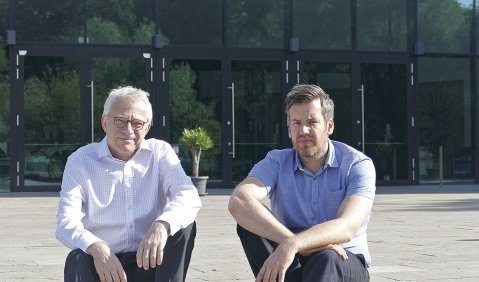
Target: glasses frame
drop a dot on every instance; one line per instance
(131, 121)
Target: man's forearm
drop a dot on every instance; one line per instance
(255, 217)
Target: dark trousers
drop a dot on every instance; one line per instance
(325, 265)
(79, 266)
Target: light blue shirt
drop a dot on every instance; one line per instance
(301, 199)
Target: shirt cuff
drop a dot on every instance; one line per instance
(86, 240)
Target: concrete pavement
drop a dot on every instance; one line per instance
(417, 233)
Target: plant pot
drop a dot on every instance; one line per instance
(200, 184)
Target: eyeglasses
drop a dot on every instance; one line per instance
(120, 122)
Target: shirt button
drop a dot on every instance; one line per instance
(314, 177)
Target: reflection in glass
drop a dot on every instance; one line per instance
(109, 73)
(185, 22)
(383, 31)
(322, 24)
(4, 121)
(41, 21)
(51, 117)
(445, 119)
(335, 79)
(120, 22)
(385, 119)
(445, 25)
(195, 100)
(258, 112)
(253, 23)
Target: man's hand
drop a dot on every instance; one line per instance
(274, 268)
(335, 247)
(150, 251)
(107, 264)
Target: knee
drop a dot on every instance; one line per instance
(79, 264)
(78, 257)
(326, 259)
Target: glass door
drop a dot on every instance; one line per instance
(335, 79)
(256, 113)
(51, 118)
(195, 101)
(61, 107)
(384, 119)
(106, 74)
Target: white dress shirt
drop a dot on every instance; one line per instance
(106, 199)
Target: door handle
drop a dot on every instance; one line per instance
(92, 89)
(233, 149)
(361, 90)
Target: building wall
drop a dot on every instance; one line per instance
(413, 62)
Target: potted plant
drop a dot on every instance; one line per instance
(197, 140)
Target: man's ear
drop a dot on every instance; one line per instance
(330, 127)
(148, 128)
(103, 123)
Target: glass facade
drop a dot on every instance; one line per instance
(312, 22)
(444, 25)
(198, 23)
(257, 113)
(445, 119)
(41, 21)
(120, 21)
(403, 74)
(335, 79)
(385, 31)
(195, 100)
(51, 117)
(252, 23)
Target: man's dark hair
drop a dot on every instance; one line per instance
(306, 93)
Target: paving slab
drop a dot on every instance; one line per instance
(417, 233)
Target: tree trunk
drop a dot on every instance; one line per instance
(196, 162)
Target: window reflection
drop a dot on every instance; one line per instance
(322, 24)
(120, 22)
(444, 25)
(42, 21)
(195, 91)
(445, 119)
(383, 31)
(51, 117)
(335, 79)
(185, 22)
(253, 23)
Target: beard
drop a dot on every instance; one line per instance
(316, 150)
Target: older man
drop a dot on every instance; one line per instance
(127, 208)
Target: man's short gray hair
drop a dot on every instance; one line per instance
(131, 93)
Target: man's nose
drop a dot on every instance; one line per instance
(304, 129)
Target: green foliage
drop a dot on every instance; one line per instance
(444, 25)
(104, 31)
(196, 139)
(186, 110)
(52, 107)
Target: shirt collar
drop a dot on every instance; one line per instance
(102, 149)
(297, 165)
(330, 159)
